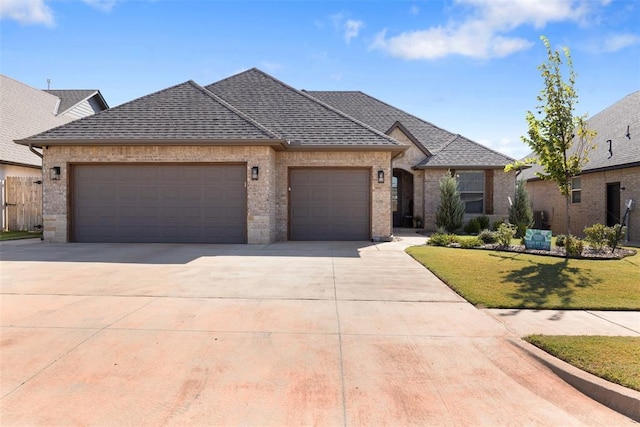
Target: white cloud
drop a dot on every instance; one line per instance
(352, 29)
(102, 5)
(27, 12)
(415, 10)
(619, 41)
(485, 32)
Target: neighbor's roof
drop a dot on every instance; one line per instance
(182, 113)
(298, 117)
(72, 97)
(619, 123)
(448, 149)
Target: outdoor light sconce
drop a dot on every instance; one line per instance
(254, 173)
(380, 177)
(54, 173)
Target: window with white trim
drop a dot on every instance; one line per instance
(576, 190)
(471, 187)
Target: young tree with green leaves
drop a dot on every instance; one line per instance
(450, 214)
(559, 140)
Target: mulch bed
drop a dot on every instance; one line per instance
(587, 253)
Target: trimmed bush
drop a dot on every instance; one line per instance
(473, 226)
(596, 236)
(442, 239)
(484, 222)
(560, 240)
(574, 246)
(450, 213)
(497, 224)
(505, 233)
(520, 212)
(487, 237)
(470, 243)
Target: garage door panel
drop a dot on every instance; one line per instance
(330, 204)
(159, 203)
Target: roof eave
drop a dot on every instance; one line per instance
(277, 144)
(345, 147)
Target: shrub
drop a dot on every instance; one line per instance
(614, 235)
(450, 213)
(596, 236)
(470, 243)
(487, 237)
(520, 212)
(560, 240)
(484, 222)
(442, 239)
(573, 246)
(496, 224)
(505, 233)
(473, 226)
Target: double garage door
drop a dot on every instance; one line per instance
(159, 203)
(208, 203)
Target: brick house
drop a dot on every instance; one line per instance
(250, 159)
(607, 182)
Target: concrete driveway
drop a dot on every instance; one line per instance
(322, 333)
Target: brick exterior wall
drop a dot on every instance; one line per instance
(380, 193)
(267, 198)
(592, 209)
(503, 187)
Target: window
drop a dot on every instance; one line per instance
(471, 187)
(576, 190)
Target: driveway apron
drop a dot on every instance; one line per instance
(293, 333)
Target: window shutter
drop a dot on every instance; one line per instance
(488, 191)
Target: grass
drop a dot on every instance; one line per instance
(16, 235)
(496, 279)
(616, 359)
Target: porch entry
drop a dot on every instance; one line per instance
(402, 198)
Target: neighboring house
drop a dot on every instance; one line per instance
(610, 178)
(250, 159)
(25, 111)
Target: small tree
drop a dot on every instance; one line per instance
(520, 213)
(560, 140)
(450, 214)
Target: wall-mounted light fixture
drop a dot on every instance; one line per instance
(380, 177)
(254, 173)
(54, 173)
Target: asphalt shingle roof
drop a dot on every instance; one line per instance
(296, 116)
(613, 123)
(71, 97)
(182, 112)
(448, 149)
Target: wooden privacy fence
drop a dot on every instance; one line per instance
(22, 208)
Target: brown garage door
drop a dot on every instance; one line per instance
(330, 204)
(159, 203)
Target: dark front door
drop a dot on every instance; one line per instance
(613, 203)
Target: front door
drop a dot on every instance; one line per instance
(613, 203)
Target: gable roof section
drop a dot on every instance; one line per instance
(461, 152)
(613, 123)
(448, 149)
(184, 113)
(298, 117)
(69, 98)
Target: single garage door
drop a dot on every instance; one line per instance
(330, 204)
(159, 203)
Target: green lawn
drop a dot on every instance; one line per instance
(513, 280)
(616, 359)
(16, 235)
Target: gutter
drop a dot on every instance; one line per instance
(33, 150)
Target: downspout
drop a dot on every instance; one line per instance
(39, 154)
(33, 150)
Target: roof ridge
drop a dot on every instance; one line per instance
(235, 110)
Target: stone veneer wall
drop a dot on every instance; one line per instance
(592, 209)
(380, 193)
(261, 202)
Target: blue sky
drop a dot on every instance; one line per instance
(469, 66)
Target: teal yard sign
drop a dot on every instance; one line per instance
(538, 239)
